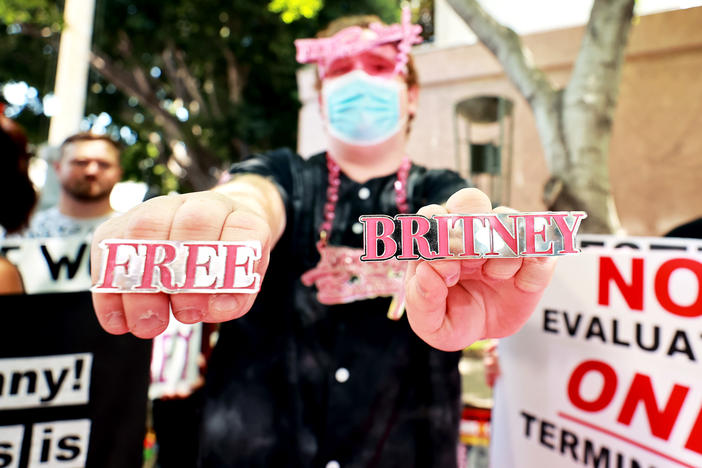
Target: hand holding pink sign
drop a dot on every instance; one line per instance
(223, 240)
(452, 303)
(219, 244)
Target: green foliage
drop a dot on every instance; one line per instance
(39, 12)
(230, 65)
(293, 10)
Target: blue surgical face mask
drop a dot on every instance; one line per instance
(362, 109)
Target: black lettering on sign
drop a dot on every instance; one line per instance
(69, 447)
(3, 251)
(590, 243)
(42, 381)
(681, 344)
(71, 266)
(569, 441)
(572, 328)
(5, 454)
(595, 329)
(528, 420)
(10, 445)
(591, 453)
(667, 247)
(549, 320)
(60, 442)
(602, 456)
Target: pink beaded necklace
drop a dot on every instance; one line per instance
(334, 181)
(340, 276)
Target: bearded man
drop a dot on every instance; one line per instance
(87, 169)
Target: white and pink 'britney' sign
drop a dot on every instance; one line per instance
(462, 236)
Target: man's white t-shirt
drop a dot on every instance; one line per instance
(52, 223)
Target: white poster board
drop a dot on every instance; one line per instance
(607, 372)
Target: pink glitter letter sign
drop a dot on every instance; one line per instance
(462, 236)
(174, 267)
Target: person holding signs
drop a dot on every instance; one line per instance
(18, 193)
(314, 370)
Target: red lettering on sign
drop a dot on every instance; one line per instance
(608, 388)
(509, 239)
(111, 263)
(694, 442)
(568, 234)
(632, 292)
(660, 422)
(530, 236)
(191, 266)
(663, 293)
(443, 236)
(150, 264)
(409, 237)
(372, 237)
(468, 238)
(234, 267)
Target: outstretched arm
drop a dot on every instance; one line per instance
(247, 208)
(453, 303)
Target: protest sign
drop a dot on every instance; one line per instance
(63, 265)
(606, 373)
(174, 364)
(50, 264)
(70, 393)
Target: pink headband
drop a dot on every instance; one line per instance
(354, 40)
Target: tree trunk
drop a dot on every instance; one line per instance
(574, 124)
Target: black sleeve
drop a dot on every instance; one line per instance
(435, 186)
(274, 165)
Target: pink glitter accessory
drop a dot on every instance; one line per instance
(340, 276)
(355, 40)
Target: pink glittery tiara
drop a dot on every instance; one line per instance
(355, 40)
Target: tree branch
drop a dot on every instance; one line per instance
(189, 80)
(234, 81)
(531, 82)
(209, 88)
(598, 66)
(591, 94)
(174, 74)
(128, 83)
(505, 44)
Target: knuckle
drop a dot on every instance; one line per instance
(253, 223)
(102, 232)
(149, 224)
(429, 210)
(200, 218)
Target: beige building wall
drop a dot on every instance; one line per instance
(656, 149)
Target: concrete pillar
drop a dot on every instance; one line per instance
(72, 69)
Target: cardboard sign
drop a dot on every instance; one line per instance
(607, 371)
(70, 393)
